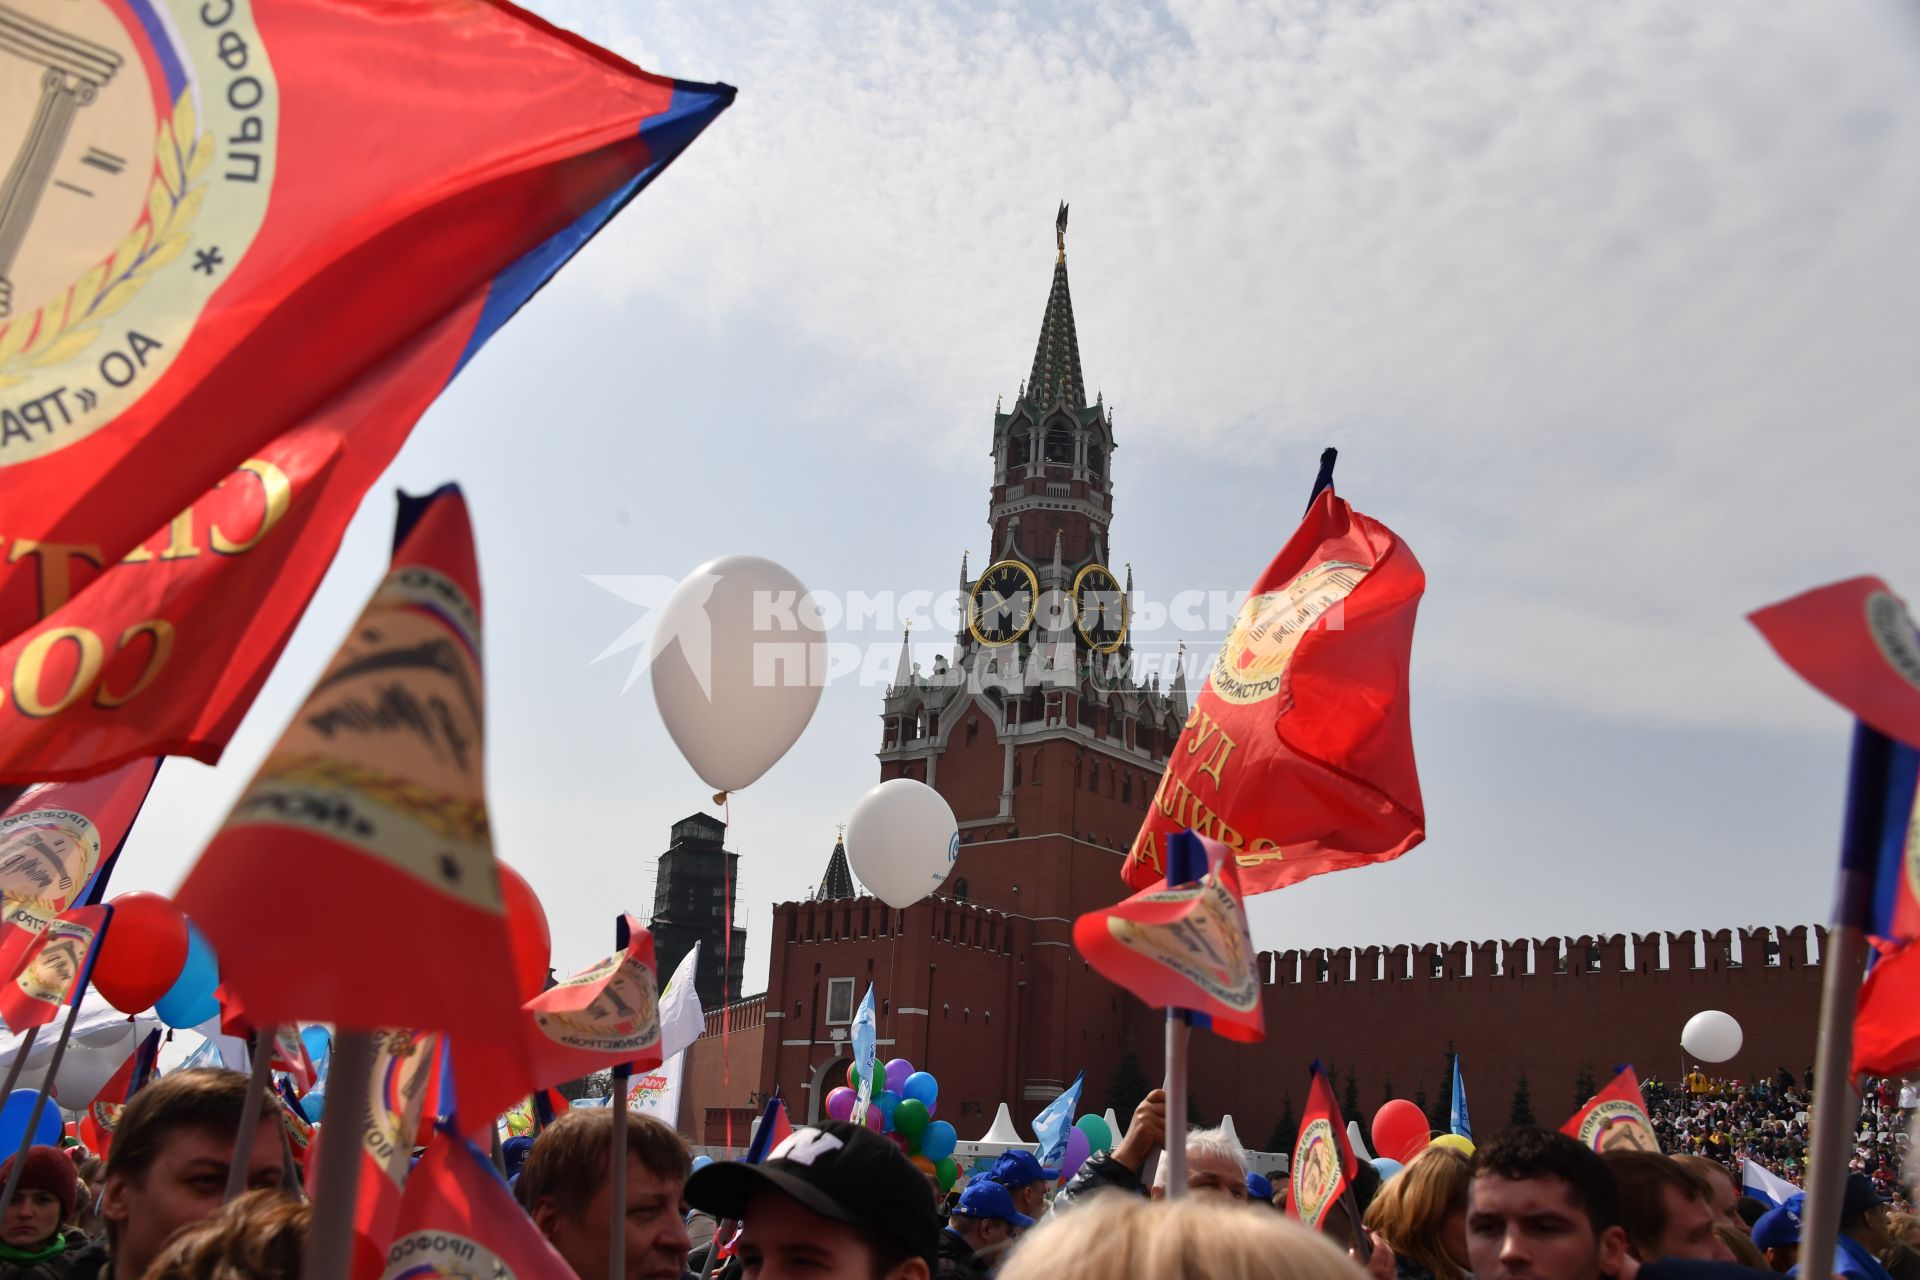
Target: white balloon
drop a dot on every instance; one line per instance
(902, 841)
(737, 666)
(1711, 1036)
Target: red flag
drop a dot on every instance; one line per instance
(1615, 1119)
(102, 1111)
(48, 971)
(1854, 642)
(1323, 1162)
(1886, 1028)
(377, 790)
(299, 1130)
(603, 1016)
(1183, 948)
(402, 1065)
(238, 275)
(1298, 752)
(459, 1219)
(54, 840)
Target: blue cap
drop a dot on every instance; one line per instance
(1258, 1187)
(988, 1201)
(1777, 1228)
(1017, 1168)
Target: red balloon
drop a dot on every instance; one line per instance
(1400, 1131)
(527, 931)
(143, 952)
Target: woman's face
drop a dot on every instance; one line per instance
(32, 1217)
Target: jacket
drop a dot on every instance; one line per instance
(1098, 1173)
(61, 1266)
(957, 1260)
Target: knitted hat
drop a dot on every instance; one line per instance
(48, 1170)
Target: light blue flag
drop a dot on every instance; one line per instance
(866, 1040)
(1461, 1125)
(1053, 1125)
(1764, 1185)
(207, 1055)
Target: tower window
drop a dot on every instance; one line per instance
(1096, 459)
(839, 1000)
(1020, 453)
(1126, 787)
(960, 888)
(1059, 444)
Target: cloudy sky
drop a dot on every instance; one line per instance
(1611, 309)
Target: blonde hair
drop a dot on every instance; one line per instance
(1412, 1210)
(1123, 1237)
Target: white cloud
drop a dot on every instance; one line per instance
(1615, 303)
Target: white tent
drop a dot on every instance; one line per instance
(999, 1139)
(102, 1039)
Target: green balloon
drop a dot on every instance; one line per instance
(853, 1077)
(948, 1172)
(911, 1119)
(1099, 1134)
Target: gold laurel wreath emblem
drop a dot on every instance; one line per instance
(447, 816)
(66, 326)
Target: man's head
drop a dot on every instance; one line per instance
(1777, 1235)
(1666, 1208)
(1722, 1191)
(1864, 1214)
(1542, 1207)
(834, 1201)
(172, 1150)
(565, 1186)
(43, 1200)
(1024, 1178)
(985, 1216)
(1215, 1162)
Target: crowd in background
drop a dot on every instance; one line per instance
(1769, 1121)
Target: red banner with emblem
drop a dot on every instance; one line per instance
(48, 970)
(1323, 1164)
(1615, 1119)
(606, 1015)
(1298, 752)
(245, 243)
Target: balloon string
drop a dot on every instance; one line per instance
(726, 974)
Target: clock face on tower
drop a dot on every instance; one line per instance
(1000, 606)
(1099, 608)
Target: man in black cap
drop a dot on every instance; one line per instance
(836, 1201)
(981, 1228)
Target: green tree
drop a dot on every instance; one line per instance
(1286, 1130)
(1420, 1100)
(1522, 1110)
(1128, 1086)
(1350, 1097)
(1583, 1087)
(1441, 1117)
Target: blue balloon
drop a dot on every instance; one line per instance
(937, 1141)
(887, 1100)
(319, 1045)
(701, 1162)
(13, 1121)
(1389, 1169)
(190, 1001)
(313, 1104)
(921, 1087)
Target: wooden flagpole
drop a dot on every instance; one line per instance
(617, 1179)
(262, 1050)
(1836, 1105)
(19, 1061)
(1175, 1143)
(337, 1180)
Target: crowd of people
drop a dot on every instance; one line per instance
(1770, 1122)
(838, 1200)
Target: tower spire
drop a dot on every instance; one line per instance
(1056, 360)
(903, 674)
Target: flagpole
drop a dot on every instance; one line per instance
(40, 1100)
(263, 1038)
(19, 1061)
(1836, 1106)
(1176, 1140)
(617, 1180)
(337, 1179)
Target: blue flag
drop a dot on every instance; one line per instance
(866, 1035)
(1460, 1124)
(1053, 1125)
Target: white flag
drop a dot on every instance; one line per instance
(681, 1018)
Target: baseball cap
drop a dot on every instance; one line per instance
(988, 1201)
(1777, 1228)
(842, 1172)
(1017, 1168)
(1860, 1196)
(1258, 1187)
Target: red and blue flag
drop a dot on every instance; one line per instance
(248, 244)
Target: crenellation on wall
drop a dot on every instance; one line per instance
(1516, 958)
(1613, 954)
(1680, 951)
(1646, 953)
